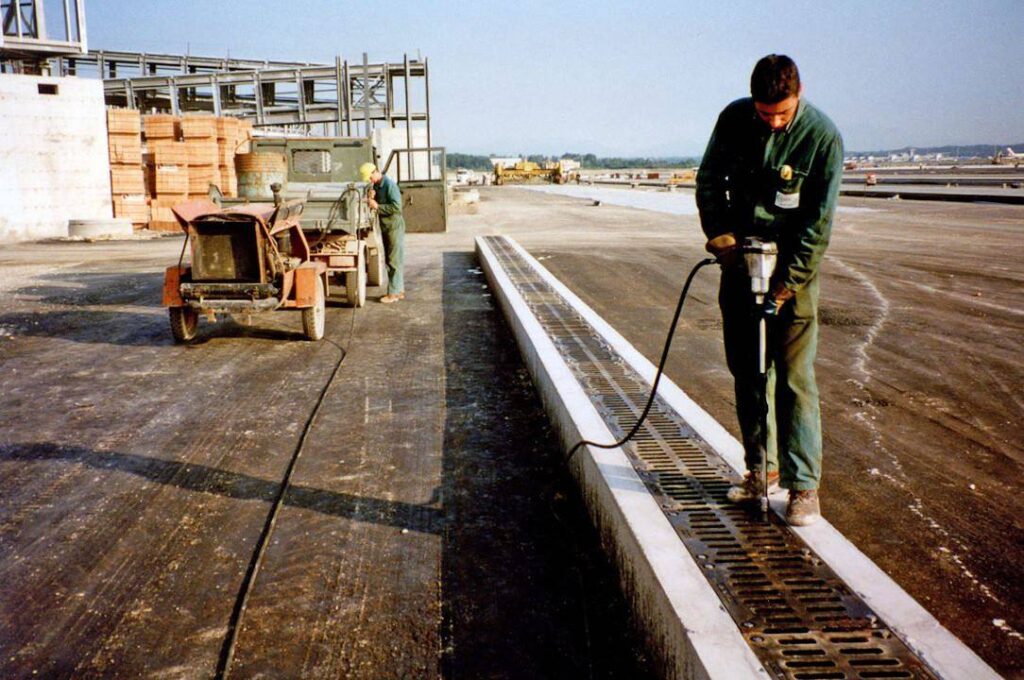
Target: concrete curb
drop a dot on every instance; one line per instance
(939, 649)
(682, 617)
(100, 228)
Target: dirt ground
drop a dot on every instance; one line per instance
(430, 530)
(920, 366)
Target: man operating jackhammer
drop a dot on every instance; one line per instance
(771, 175)
(384, 197)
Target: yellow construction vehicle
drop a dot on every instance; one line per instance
(527, 171)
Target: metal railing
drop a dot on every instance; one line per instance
(411, 165)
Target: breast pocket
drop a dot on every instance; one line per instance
(787, 186)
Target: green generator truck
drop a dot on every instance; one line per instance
(323, 173)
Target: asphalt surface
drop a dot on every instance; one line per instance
(920, 366)
(429, 530)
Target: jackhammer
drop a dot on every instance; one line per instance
(759, 257)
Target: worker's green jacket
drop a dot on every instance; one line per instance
(392, 228)
(782, 186)
(389, 199)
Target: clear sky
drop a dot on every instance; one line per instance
(632, 78)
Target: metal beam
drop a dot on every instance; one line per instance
(217, 90)
(408, 119)
(366, 95)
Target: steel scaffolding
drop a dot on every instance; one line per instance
(33, 32)
(350, 98)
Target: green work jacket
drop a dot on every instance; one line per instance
(782, 186)
(389, 199)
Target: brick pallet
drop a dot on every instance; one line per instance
(166, 169)
(127, 180)
(200, 133)
(180, 159)
(233, 137)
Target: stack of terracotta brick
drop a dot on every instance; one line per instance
(184, 156)
(233, 137)
(127, 185)
(166, 169)
(200, 135)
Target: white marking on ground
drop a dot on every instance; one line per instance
(1005, 627)
(947, 544)
(971, 300)
(861, 365)
(678, 202)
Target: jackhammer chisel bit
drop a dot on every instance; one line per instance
(760, 257)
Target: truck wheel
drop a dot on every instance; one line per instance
(313, 317)
(355, 282)
(375, 257)
(184, 321)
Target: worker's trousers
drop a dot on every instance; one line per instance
(392, 230)
(794, 414)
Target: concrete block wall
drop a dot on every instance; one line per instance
(385, 140)
(54, 163)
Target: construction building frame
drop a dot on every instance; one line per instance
(349, 98)
(29, 36)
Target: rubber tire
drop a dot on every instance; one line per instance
(376, 262)
(355, 282)
(184, 322)
(314, 318)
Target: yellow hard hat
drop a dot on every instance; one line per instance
(365, 170)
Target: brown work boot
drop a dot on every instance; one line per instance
(751, 489)
(803, 507)
(392, 297)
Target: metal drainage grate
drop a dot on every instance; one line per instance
(799, 618)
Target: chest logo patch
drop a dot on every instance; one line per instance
(786, 173)
(787, 201)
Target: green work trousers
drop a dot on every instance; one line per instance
(392, 230)
(794, 414)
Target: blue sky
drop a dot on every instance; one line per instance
(637, 78)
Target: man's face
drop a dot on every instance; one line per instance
(375, 177)
(777, 116)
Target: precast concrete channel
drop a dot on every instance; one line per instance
(799, 618)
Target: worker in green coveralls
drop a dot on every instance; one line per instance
(772, 169)
(384, 197)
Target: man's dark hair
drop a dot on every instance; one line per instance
(775, 78)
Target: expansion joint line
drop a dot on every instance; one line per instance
(227, 652)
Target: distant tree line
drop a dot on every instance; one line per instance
(469, 161)
(586, 160)
(591, 161)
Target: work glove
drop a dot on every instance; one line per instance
(725, 249)
(776, 299)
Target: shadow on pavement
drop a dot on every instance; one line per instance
(136, 329)
(526, 589)
(204, 479)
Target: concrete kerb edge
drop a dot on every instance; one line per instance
(685, 622)
(942, 651)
